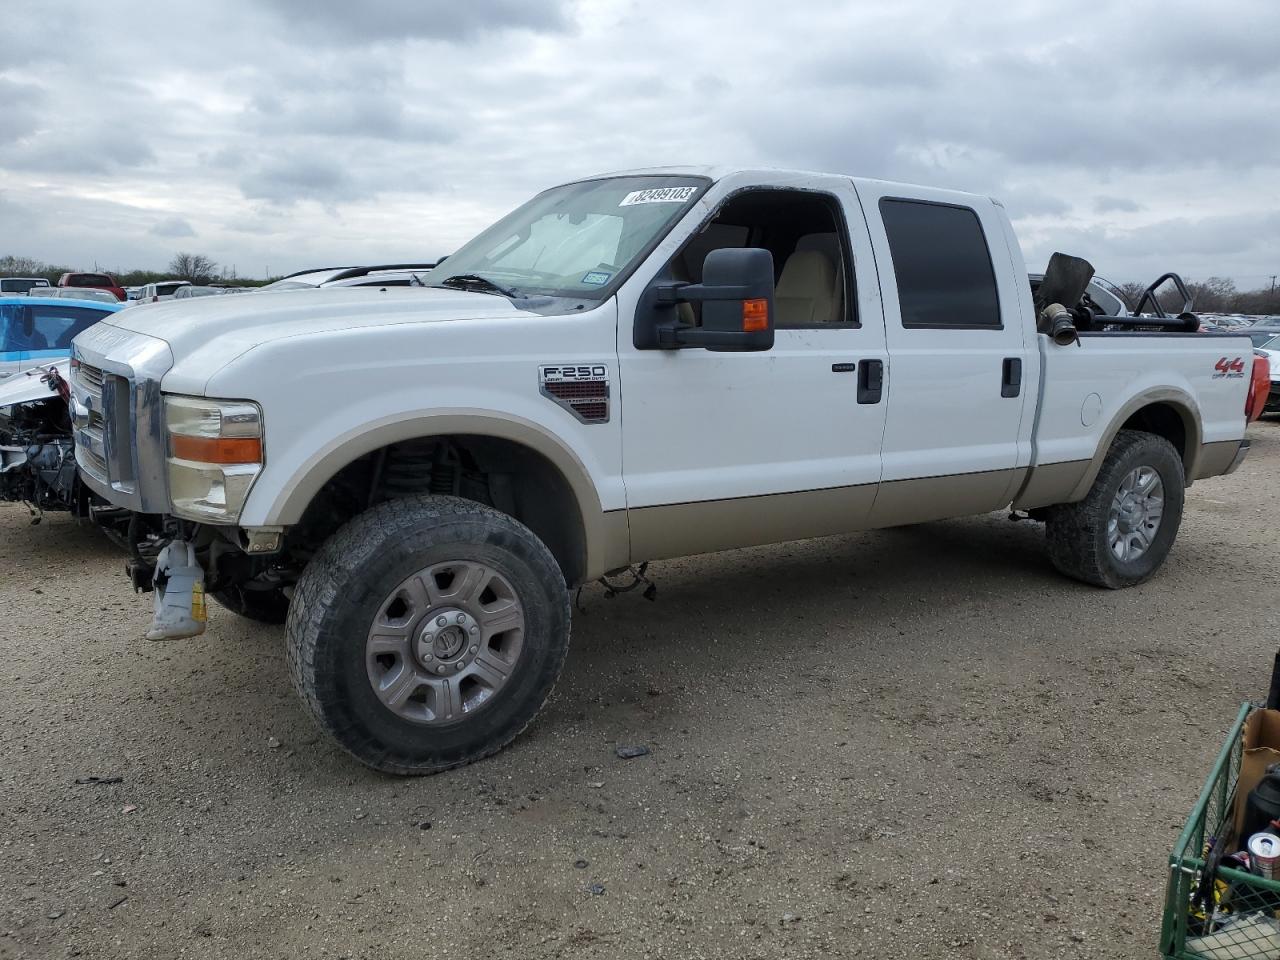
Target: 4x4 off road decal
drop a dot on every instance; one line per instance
(581, 388)
(1229, 368)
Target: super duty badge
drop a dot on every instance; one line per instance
(581, 388)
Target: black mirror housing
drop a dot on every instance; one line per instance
(736, 294)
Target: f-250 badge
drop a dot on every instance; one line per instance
(1229, 368)
(581, 388)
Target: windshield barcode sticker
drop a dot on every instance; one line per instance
(658, 195)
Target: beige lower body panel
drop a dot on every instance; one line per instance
(937, 498)
(685, 529)
(1051, 483)
(1216, 458)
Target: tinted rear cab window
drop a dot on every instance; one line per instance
(942, 264)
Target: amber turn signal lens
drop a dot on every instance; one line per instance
(216, 449)
(755, 316)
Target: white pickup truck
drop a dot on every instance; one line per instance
(626, 368)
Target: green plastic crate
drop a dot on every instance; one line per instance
(1241, 920)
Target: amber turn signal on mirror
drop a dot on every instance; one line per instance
(755, 315)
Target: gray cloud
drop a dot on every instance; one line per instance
(1105, 204)
(288, 180)
(336, 21)
(172, 227)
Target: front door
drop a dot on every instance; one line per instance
(723, 450)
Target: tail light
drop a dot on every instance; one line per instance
(1259, 387)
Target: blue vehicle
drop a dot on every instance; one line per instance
(38, 330)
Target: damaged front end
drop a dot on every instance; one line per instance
(37, 454)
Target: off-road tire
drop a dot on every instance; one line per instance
(1077, 532)
(348, 580)
(264, 606)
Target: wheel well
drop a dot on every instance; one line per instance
(501, 473)
(1164, 420)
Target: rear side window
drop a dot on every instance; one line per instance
(55, 327)
(88, 280)
(940, 257)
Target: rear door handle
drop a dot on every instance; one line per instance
(1011, 377)
(870, 381)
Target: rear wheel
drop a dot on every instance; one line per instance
(1121, 532)
(427, 633)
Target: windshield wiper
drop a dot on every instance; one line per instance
(468, 281)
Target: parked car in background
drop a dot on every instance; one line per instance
(78, 293)
(21, 284)
(190, 291)
(132, 293)
(99, 281)
(1262, 331)
(163, 290)
(38, 330)
(389, 274)
(1271, 350)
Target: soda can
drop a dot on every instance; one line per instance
(1264, 850)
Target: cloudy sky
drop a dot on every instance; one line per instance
(281, 134)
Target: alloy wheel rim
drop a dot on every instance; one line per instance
(1137, 510)
(445, 642)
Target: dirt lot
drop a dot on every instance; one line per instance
(920, 742)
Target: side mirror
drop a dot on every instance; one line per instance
(736, 294)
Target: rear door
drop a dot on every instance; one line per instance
(961, 362)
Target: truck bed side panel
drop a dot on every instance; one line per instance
(1089, 391)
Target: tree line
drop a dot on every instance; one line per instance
(194, 267)
(1215, 295)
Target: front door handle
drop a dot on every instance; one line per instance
(1011, 377)
(870, 381)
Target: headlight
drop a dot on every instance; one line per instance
(215, 453)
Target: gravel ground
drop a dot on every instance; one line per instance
(919, 742)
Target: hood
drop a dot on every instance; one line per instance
(26, 386)
(236, 324)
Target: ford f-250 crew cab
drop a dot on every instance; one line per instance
(626, 368)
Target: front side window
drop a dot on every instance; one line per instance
(804, 232)
(580, 240)
(943, 267)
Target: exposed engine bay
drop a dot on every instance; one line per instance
(37, 452)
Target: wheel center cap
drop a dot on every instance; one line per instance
(446, 636)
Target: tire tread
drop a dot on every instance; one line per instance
(337, 563)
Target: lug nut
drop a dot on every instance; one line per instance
(461, 665)
(462, 618)
(443, 668)
(474, 649)
(475, 629)
(441, 621)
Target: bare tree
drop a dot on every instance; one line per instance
(192, 266)
(19, 266)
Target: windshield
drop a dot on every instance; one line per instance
(1267, 338)
(580, 240)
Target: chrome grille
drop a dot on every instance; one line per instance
(93, 461)
(90, 377)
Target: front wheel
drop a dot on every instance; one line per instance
(1121, 532)
(427, 633)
